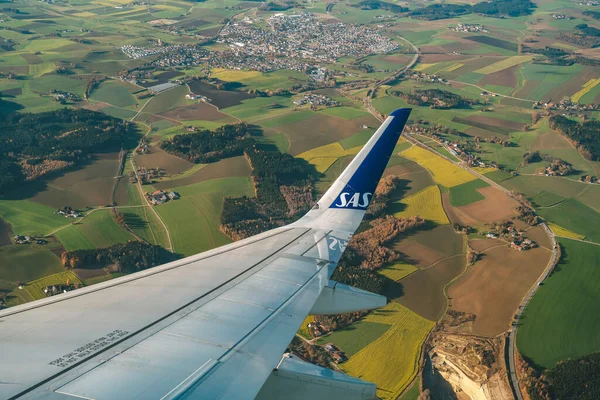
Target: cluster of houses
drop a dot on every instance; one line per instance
(524, 244)
(194, 96)
(63, 97)
(146, 175)
(58, 289)
(516, 239)
(565, 105)
(160, 197)
(424, 77)
(69, 212)
(468, 28)
(316, 329)
(316, 100)
(338, 355)
(24, 239)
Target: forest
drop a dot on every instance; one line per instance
(208, 146)
(127, 257)
(585, 136)
(499, 8)
(436, 98)
(576, 379)
(37, 144)
(379, 5)
(271, 172)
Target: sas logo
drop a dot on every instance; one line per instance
(357, 200)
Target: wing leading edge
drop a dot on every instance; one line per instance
(209, 326)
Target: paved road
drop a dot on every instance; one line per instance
(511, 369)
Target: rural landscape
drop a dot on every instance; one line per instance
(138, 132)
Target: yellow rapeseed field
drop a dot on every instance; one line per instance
(564, 232)
(485, 170)
(426, 204)
(391, 361)
(443, 172)
(303, 331)
(229, 75)
(397, 271)
(504, 64)
(588, 86)
(422, 67)
(454, 67)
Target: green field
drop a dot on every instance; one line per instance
(201, 203)
(98, 229)
(27, 262)
(355, 337)
(35, 288)
(29, 218)
(466, 193)
(575, 216)
(560, 321)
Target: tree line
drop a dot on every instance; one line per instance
(127, 257)
(497, 8)
(585, 136)
(208, 146)
(36, 144)
(436, 99)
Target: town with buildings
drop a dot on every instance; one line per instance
(298, 42)
(161, 197)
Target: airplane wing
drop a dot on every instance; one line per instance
(209, 326)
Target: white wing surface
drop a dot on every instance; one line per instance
(210, 326)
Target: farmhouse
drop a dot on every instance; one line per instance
(69, 212)
(158, 197)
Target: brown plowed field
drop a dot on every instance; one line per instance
(200, 111)
(493, 288)
(423, 291)
(320, 129)
(497, 122)
(539, 235)
(455, 215)
(506, 77)
(481, 245)
(417, 254)
(496, 206)
(89, 185)
(229, 167)
(158, 158)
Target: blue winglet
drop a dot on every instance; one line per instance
(361, 186)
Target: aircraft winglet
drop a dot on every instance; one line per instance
(356, 185)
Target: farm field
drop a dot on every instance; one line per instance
(202, 203)
(575, 216)
(35, 288)
(98, 229)
(493, 287)
(24, 263)
(424, 291)
(426, 204)
(444, 172)
(557, 324)
(389, 366)
(466, 193)
(30, 218)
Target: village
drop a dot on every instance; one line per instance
(297, 42)
(316, 100)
